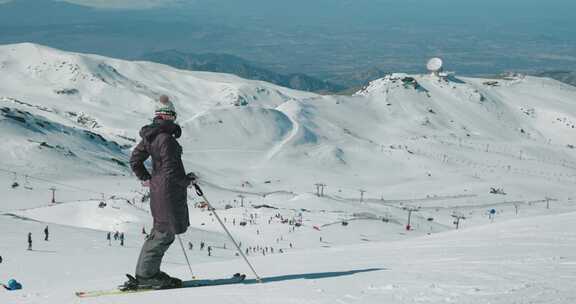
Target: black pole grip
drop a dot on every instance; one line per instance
(198, 190)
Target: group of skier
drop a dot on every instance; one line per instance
(46, 237)
(117, 236)
(202, 245)
(263, 250)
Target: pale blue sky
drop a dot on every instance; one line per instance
(314, 36)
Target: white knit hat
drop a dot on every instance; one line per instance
(164, 106)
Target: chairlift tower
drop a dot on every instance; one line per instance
(362, 195)
(410, 209)
(53, 195)
(322, 185)
(457, 219)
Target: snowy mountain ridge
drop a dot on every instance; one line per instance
(266, 127)
(223, 114)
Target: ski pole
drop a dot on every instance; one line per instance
(186, 256)
(200, 193)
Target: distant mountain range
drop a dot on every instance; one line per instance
(224, 63)
(354, 81)
(563, 76)
(231, 64)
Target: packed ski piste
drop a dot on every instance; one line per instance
(134, 182)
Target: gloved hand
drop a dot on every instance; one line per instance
(192, 178)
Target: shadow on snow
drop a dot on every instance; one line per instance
(312, 276)
(307, 276)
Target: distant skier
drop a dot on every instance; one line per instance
(122, 239)
(168, 184)
(491, 214)
(209, 250)
(190, 245)
(1, 259)
(109, 238)
(29, 240)
(46, 233)
(116, 235)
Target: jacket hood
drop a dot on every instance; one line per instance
(158, 126)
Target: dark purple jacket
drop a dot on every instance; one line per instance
(168, 181)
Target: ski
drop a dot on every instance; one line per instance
(235, 279)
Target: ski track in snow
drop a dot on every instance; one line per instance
(294, 131)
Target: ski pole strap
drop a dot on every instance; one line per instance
(198, 190)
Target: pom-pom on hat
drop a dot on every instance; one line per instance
(164, 106)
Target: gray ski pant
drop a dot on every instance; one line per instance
(152, 253)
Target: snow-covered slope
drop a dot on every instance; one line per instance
(115, 98)
(404, 141)
(523, 261)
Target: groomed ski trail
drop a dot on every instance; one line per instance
(294, 131)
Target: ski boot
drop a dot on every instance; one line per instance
(131, 284)
(159, 281)
(168, 281)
